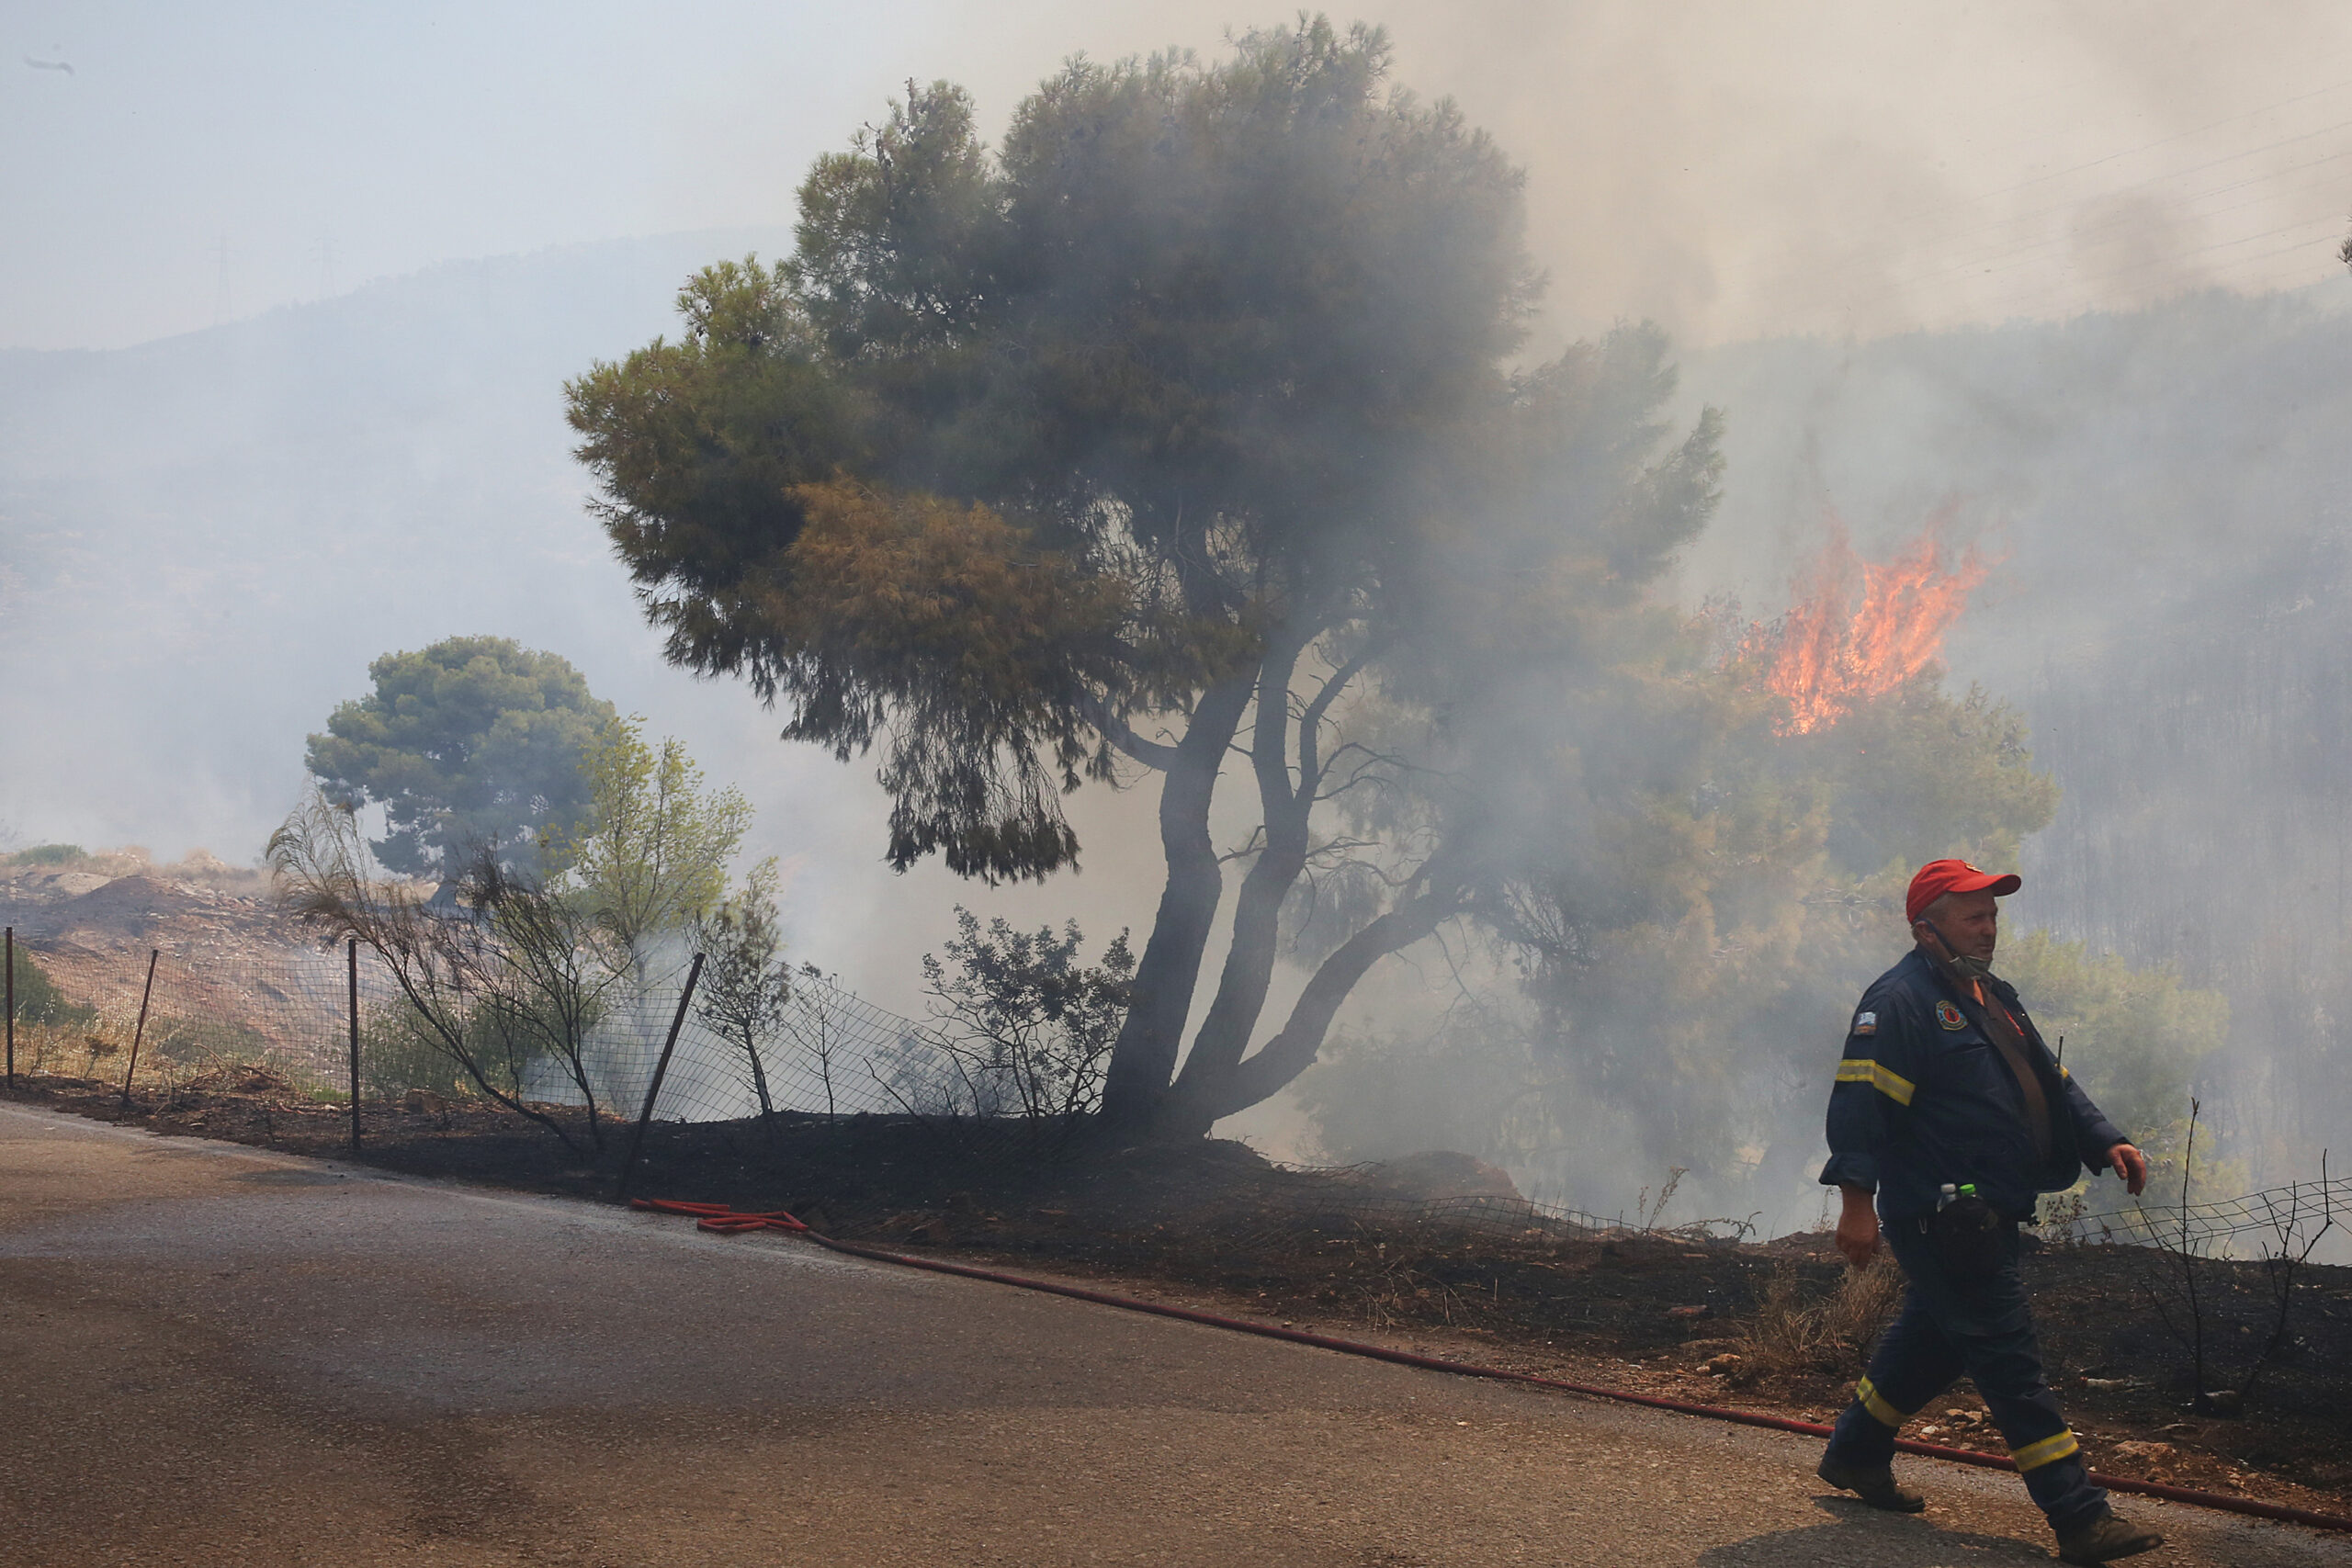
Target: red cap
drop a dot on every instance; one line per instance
(1939, 878)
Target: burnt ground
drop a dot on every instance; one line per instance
(1779, 1326)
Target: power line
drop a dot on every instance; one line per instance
(2324, 238)
(1816, 275)
(2145, 147)
(2019, 256)
(2177, 136)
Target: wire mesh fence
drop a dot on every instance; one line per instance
(2221, 1227)
(307, 1022)
(315, 1018)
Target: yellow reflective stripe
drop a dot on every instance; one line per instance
(2033, 1455)
(1860, 1069)
(1894, 1085)
(1868, 1393)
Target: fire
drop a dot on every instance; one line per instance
(1862, 628)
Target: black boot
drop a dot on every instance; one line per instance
(2105, 1538)
(1875, 1487)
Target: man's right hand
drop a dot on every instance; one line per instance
(1858, 1227)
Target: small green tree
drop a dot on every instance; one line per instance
(1920, 774)
(472, 743)
(648, 854)
(746, 990)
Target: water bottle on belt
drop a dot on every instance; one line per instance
(1968, 1234)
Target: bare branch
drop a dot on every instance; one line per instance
(1310, 722)
(1249, 846)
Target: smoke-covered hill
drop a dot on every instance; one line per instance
(2169, 495)
(205, 539)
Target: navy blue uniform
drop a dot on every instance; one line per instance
(1923, 1098)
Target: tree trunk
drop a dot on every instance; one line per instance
(1145, 1056)
(1257, 921)
(1292, 1052)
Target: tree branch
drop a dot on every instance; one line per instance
(1294, 1050)
(1310, 723)
(1157, 754)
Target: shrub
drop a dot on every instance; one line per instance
(40, 1003)
(1795, 1331)
(398, 1051)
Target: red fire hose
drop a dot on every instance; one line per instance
(719, 1218)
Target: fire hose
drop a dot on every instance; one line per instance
(722, 1220)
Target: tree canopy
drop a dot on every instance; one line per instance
(648, 854)
(472, 743)
(1184, 423)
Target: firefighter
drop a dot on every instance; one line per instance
(1950, 1110)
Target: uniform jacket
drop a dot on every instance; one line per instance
(1923, 1098)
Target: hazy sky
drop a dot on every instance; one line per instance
(1730, 169)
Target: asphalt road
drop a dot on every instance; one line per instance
(213, 1355)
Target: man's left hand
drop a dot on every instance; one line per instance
(2131, 1166)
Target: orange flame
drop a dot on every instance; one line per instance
(1828, 655)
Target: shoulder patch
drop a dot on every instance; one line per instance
(1950, 1016)
(1866, 1023)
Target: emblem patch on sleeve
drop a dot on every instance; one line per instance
(1866, 1023)
(1950, 1016)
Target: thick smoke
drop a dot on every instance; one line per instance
(204, 539)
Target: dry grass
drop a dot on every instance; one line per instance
(87, 1049)
(1796, 1331)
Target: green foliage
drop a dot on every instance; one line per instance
(746, 988)
(2137, 1038)
(49, 854)
(701, 446)
(40, 1003)
(399, 1050)
(648, 854)
(1189, 335)
(473, 742)
(1919, 774)
(1031, 1026)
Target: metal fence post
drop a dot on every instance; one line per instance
(654, 1090)
(351, 954)
(12, 1007)
(140, 1032)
